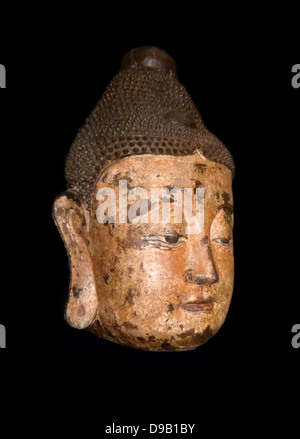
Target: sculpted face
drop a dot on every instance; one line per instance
(153, 285)
(147, 218)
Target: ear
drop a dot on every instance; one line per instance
(72, 220)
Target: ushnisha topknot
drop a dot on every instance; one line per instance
(144, 110)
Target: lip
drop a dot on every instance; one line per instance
(199, 306)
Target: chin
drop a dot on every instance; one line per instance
(164, 342)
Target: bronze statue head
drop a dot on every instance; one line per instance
(141, 277)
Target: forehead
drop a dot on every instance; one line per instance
(149, 171)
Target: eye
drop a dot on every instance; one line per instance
(165, 239)
(171, 239)
(223, 241)
(221, 228)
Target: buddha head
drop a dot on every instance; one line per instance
(147, 216)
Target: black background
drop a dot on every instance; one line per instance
(239, 76)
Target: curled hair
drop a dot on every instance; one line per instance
(144, 110)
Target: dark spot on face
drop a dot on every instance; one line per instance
(203, 337)
(76, 292)
(169, 187)
(227, 207)
(128, 325)
(118, 334)
(143, 209)
(168, 199)
(111, 227)
(226, 198)
(129, 186)
(115, 326)
(151, 338)
(217, 196)
(141, 265)
(128, 178)
(110, 220)
(170, 308)
(167, 346)
(106, 278)
(117, 177)
(140, 339)
(60, 211)
(130, 296)
(228, 215)
(198, 184)
(181, 327)
(204, 240)
(130, 270)
(158, 175)
(186, 334)
(134, 239)
(201, 167)
(104, 178)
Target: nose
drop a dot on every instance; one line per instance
(201, 268)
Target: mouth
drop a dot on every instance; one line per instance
(199, 305)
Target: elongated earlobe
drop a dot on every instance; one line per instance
(72, 221)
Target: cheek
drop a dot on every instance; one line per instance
(141, 285)
(161, 268)
(224, 262)
(145, 271)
